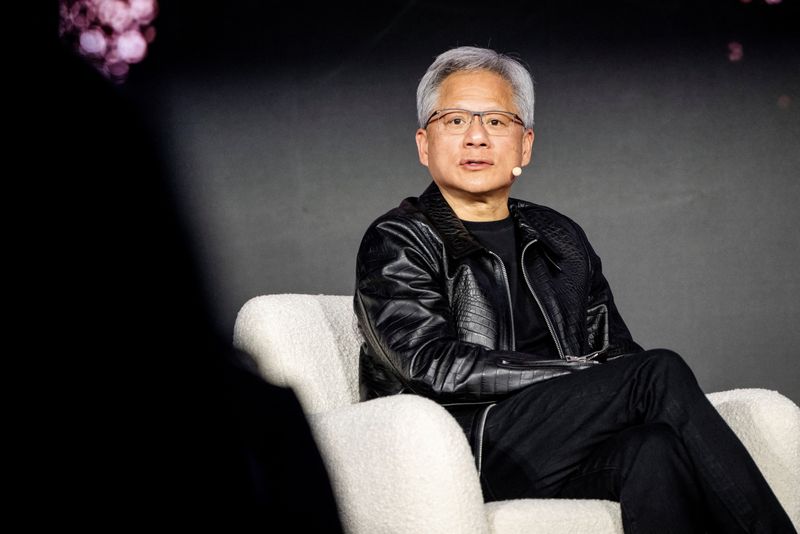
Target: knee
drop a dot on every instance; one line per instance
(670, 365)
(664, 355)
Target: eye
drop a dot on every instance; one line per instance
(496, 121)
(455, 119)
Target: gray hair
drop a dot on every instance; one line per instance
(470, 58)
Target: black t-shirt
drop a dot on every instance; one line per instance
(530, 328)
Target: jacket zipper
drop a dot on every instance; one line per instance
(508, 293)
(536, 298)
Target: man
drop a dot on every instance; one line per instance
(498, 309)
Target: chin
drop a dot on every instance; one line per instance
(482, 186)
(475, 183)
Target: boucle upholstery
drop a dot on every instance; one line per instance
(402, 465)
(308, 343)
(768, 424)
(554, 516)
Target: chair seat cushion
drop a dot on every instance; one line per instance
(554, 516)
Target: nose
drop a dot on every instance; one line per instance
(476, 134)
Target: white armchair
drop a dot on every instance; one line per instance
(401, 464)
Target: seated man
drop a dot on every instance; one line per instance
(498, 309)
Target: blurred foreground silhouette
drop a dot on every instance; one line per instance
(150, 417)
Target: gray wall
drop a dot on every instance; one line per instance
(679, 164)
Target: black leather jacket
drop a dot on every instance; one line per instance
(434, 326)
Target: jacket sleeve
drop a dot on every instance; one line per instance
(606, 330)
(405, 317)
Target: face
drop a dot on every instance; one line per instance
(474, 165)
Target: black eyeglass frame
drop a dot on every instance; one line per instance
(514, 117)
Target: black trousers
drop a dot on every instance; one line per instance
(638, 430)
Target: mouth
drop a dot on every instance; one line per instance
(475, 164)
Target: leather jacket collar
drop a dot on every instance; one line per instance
(459, 243)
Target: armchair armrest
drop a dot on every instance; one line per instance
(768, 424)
(400, 464)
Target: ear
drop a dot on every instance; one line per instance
(527, 146)
(422, 146)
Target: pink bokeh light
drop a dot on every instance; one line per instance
(111, 34)
(735, 51)
(114, 13)
(93, 42)
(131, 46)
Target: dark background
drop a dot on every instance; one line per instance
(289, 128)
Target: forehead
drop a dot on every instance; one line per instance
(477, 91)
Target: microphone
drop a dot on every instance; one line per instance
(516, 171)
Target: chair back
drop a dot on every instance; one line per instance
(309, 343)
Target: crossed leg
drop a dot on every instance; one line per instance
(638, 430)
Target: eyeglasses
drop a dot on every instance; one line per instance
(458, 121)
